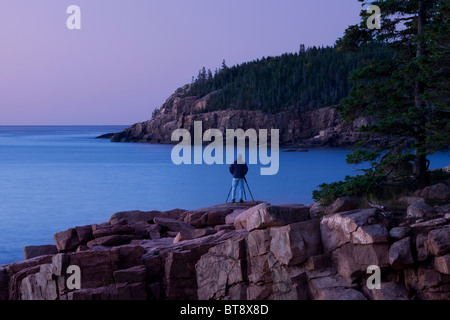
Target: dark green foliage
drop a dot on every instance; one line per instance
(406, 95)
(155, 113)
(351, 186)
(312, 78)
(388, 171)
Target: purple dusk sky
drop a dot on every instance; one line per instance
(130, 55)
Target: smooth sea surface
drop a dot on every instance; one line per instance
(57, 177)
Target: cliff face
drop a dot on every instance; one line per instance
(321, 127)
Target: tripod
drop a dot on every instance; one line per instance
(245, 195)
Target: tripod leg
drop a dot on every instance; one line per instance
(245, 195)
(249, 189)
(228, 195)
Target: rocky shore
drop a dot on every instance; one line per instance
(321, 127)
(248, 251)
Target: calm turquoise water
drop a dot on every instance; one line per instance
(54, 178)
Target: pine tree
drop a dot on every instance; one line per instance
(407, 92)
(302, 48)
(224, 65)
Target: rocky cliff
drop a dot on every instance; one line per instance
(321, 127)
(248, 251)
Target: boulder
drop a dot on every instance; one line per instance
(142, 229)
(342, 204)
(97, 267)
(332, 287)
(172, 224)
(110, 241)
(265, 215)
(212, 217)
(288, 283)
(442, 264)
(85, 233)
(421, 247)
(427, 283)
(316, 210)
(430, 223)
(237, 291)
(26, 264)
(36, 251)
(105, 230)
(258, 270)
(221, 227)
(240, 221)
(144, 216)
(120, 291)
(340, 294)
(177, 214)
(100, 293)
(176, 262)
(220, 268)
(400, 254)
(229, 219)
(433, 284)
(131, 275)
(128, 256)
(438, 191)
(294, 243)
(398, 233)
(152, 230)
(123, 229)
(193, 234)
(337, 229)
(179, 275)
(419, 210)
(258, 246)
(258, 242)
(216, 215)
(256, 292)
(40, 285)
(370, 234)
(352, 261)
(319, 262)
(388, 291)
(66, 240)
(438, 241)
(15, 281)
(410, 200)
(134, 216)
(131, 291)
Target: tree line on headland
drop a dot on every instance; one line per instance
(305, 80)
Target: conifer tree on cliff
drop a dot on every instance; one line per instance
(405, 94)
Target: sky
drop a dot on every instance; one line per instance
(130, 55)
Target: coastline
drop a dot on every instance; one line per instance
(261, 251)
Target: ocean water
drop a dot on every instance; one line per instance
(56, 177)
